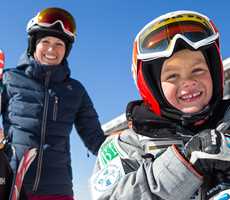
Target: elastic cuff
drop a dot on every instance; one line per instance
(186, 162)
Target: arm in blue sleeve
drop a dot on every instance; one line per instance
(88, 125)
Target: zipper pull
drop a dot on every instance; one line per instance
(56, 99)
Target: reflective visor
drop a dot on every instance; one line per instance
(50, 16)
(158, 36)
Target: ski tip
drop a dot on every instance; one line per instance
(2, 59)
(2, 54)
(2, 63)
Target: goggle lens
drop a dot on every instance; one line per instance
(52, 15)
(157, 37)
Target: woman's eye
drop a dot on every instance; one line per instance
(45, 42)
(60, 44)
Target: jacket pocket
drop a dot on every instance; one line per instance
(55, 108)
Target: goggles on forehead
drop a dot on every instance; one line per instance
(157, 39)
(50, 16)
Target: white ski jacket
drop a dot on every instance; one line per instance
(124, 170)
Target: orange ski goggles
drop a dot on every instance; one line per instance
(157, 39)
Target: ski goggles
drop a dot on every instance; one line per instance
(157, 39)
(48, 17)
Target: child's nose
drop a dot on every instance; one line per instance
(189, 83)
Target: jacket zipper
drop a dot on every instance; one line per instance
(55, 111)
(43, 133)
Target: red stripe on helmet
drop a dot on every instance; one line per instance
(145, 91)
(221, 68)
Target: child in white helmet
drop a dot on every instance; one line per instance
(175, 147)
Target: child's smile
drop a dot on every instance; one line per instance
(189, 97)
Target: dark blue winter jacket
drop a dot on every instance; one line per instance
(41, 105)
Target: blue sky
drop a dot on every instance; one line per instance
(101, 56)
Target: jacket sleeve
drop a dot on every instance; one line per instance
(121, 172)
(88, 125)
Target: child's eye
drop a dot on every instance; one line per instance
(198, 71)
(171, 77)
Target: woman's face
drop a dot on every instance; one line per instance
(186, 81)
(50, 51)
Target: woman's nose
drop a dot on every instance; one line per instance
(50, 48)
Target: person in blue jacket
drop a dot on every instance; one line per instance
(42, 103)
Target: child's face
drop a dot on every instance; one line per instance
(186, 81)
(50, 51)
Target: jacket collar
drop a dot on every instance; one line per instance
(146, 123)
(38, 71)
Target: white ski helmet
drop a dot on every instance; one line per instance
(158, 40)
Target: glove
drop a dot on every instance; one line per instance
(206, 149)
(209, 152)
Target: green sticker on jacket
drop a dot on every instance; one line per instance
(108, 152)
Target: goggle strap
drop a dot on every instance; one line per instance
(214, 26)
(62, 25)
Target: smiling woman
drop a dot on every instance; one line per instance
(49, 50)
(42, 104)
